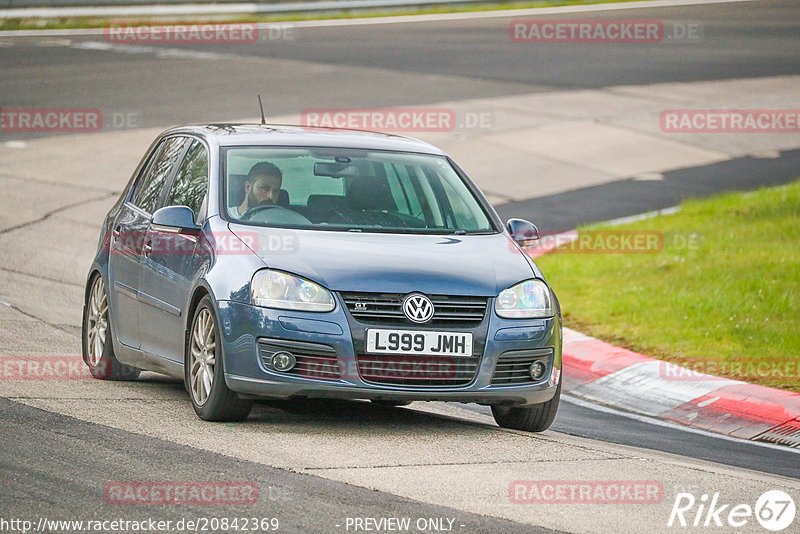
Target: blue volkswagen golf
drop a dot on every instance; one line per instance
(261, 261)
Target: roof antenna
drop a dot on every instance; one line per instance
(260, 105)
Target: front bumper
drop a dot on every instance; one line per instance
(243, 326)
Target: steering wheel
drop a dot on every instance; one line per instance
(258, 209)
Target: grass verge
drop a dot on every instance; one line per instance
(99, 22)
(722, 296)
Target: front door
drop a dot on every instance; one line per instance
(167, 267)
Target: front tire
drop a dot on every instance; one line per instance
(212, 399)
(96, 342)
(536, 418)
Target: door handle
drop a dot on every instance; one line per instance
(147, 248)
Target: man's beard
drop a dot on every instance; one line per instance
(252, 201)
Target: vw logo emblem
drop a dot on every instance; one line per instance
(418, 308)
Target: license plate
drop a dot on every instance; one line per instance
(417, 342)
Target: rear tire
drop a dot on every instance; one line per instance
(536, 418)
(97, 345)
(212, 399)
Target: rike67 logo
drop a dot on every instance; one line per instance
(774, 510)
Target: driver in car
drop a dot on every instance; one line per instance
(261, 187)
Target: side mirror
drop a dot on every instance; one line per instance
(523, 232)
(174, 218)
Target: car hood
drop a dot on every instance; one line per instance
(480, 265)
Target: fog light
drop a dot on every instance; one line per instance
(283, 361)
(537, 370)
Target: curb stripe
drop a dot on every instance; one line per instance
(641, 388)
(591, 359)
(744, 411)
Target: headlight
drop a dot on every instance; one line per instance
(274, 289)
(526, 300)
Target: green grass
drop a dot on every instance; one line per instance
(99, 22)
(723, 296)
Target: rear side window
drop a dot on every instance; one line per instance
(191, 182)
(148, 191)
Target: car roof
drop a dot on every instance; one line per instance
(289, 135)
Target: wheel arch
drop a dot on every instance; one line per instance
(94, 271)
(197, 295)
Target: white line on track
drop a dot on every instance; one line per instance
(157, 51)
(639, 217)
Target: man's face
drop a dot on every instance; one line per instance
(264, 189)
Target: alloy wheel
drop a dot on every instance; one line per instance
(203, 356)
(97, 326)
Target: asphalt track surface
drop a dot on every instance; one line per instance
(582, 419)
(88, 456)
(386, 65)
(624, 198)
(411, 64)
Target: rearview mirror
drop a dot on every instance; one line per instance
(174, 218)
(334, 169)
(523, 232)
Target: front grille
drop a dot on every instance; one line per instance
(419, 371)
(314, 360)
(387, 309)
(512, 366)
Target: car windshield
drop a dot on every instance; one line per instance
(348, 190)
